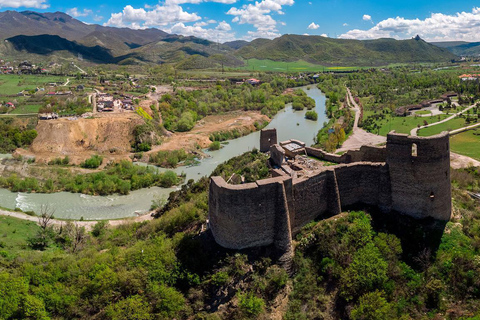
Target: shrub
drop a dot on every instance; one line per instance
(249, 304)
(215, 145)
(93, 163)
(311, 115)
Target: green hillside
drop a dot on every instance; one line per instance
(328, 51)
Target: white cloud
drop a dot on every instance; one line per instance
(220, 33)
(463, 26)
(259, 15)
(199, 1)
(75, 13)
(159, 16)
(324, 35)
(345, 24)
(367, 17)
(313, 26)
(38, 4)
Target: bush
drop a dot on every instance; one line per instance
(249, 304)
(311, 115)
(93, 163)
(215, 145)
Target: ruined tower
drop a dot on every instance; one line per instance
(268, 137)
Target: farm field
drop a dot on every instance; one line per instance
(12, 84)
(466, 143)
(296, 66)
(23, 109)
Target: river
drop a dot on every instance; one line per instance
(290, 124)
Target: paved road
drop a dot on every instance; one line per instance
(414, 131)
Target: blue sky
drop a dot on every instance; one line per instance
(226, 20)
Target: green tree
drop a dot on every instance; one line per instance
(131, 308)
(368, 271)
(373, 306)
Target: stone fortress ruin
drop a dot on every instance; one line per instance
(409, 176)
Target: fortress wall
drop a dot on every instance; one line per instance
(366, 183)
(277, 155)
(368, 154)
(314, 197)
(364, 154)
(243, 216)
(320, 154)
(420, 183)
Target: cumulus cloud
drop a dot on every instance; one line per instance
(158, 16)
(220, 33)
(259, 15)
(345, 24)
(74, 12)
(438, 27)
(38, 4)
(313, 26)
(324, 35)
(367, 17)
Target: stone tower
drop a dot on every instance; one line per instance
(419, 170)
(268, 137)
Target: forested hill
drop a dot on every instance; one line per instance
(329, 51)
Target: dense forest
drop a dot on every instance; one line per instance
(360, 265)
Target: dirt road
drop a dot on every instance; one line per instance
(87, 224)
(359, 136)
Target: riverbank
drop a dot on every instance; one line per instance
(290, 124)
(87, 224)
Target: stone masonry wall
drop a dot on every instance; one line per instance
(270, 211)
(420, 184)
(365, 153)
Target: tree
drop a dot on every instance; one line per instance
(368, 271)
(372, 306)
(44, 236)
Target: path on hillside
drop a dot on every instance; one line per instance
(87, 224)
(359, 136)
(66, 83)
(81, 70)
(414, 131)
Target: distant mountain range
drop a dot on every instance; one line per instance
(461, 48)
(50, 36)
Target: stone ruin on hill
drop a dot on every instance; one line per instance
(409, 176)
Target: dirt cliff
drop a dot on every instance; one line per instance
(81, 138)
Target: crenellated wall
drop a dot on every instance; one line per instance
(411, 176)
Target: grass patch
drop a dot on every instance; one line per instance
(446, 126)
(466, 143)
(14, 233)
(12, 84)
(401, 124)
(281, 66)
(27, 109)
(423, 112)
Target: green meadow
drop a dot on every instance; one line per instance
(295, 66)
(466, 143)
(12, 84)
